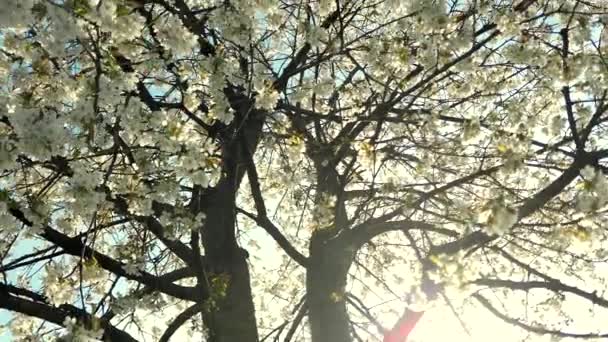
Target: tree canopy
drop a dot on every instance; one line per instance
(301, 170)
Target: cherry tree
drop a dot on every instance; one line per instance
(301, 170)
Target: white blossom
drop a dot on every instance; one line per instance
(78, 333)
(499, 219)
(267, 97)
(56, 287)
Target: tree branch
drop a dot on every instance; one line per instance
(363, 233)
(528, 208)
(178, 248)
(552, 284)
(182, 318)
(262, 218)
(531, 328)
(75, 247)
(57, 315)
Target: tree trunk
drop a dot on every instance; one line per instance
(326, 283)
(230, 316)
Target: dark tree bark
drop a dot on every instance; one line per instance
(231, 314)
(326, 282)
